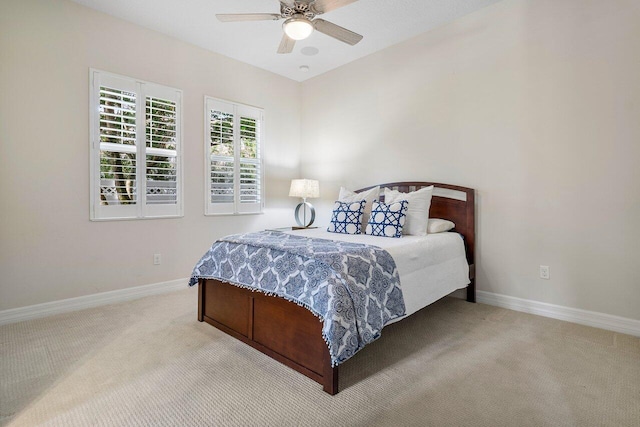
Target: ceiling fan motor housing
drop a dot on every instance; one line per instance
(299, 8)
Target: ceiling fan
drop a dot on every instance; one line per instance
(299, 16)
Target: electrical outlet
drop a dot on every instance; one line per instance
(157, 259)
(544, 272)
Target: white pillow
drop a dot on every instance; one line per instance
(369, 196)
(437, 225)
(418, 212)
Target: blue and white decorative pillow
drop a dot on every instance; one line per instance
(347, 217)
(387, 220)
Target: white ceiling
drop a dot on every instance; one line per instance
(382, 23)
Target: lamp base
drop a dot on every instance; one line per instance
(304, 222)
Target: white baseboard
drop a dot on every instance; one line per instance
(80, 303)
(583, 317)
(575, 315)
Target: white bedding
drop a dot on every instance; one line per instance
(430, 266)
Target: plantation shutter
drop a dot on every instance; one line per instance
(162, 154)
(250, 168)
(233, 152)
(221, 156)
(135, 140)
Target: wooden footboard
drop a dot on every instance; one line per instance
(278, 328)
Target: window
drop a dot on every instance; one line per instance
(233, 144)
(136, 153)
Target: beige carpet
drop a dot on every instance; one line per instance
(149, 362)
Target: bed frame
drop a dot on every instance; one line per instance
(291, 334)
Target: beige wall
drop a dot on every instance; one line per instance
(49, 248)
(536, 104)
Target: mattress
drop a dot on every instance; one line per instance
(430, 267)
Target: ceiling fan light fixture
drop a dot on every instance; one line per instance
(298, 28)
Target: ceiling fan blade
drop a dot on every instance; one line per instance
(289, 3)
(286, 44)
(324, 6)
(235, 17)
(337, 32)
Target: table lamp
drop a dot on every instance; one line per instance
(305, 188)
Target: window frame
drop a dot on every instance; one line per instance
(238, 110)
(142, 89)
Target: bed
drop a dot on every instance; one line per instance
(293, 335)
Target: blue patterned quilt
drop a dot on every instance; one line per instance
(354, 288)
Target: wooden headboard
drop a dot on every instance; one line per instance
(450, 202)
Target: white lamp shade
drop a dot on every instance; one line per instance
(298, 28)
(305, 188)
